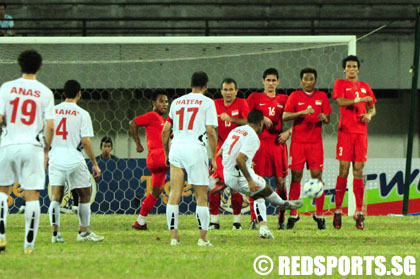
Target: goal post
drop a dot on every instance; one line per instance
(118, 74)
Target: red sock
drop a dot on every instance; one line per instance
(340, 191)
(358, 191)
(251, 208)
(319, 202)
(214, 203)
(147, 205)
(283, 195)
(236, 201)
(294, 194)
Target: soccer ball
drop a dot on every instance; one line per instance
(313, 188)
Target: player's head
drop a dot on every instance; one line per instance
(308, 79)
(30, 61)
(3, 7)
(72, 89)
(199, 80)
(160, 101)
(106, 146)
(351, 66)
(270, 80)
(256, 120)
(229, 89)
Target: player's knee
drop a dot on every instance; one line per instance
(296, 177)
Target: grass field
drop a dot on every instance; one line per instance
(126, 253)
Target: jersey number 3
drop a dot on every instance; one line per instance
(62, 129)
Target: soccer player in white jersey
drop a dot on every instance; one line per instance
(193, 118)
(238, 151)
(73, 130)
(26, 112)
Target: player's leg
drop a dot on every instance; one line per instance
(282, 192)
(260, 168)
(54, 212)
(172, 208)
(319, 202)
(294, 194)
(202, 213)
(280, 162)
(214, 206)
(358, 189)
(75, 206)
(236, 201)
(32, 213)
(4, 208)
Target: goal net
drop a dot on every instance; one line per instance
(119, 74)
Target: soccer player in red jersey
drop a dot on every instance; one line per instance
(271, 158)
(309, 108)
(352, 96)
(153, 122)
(231, 113)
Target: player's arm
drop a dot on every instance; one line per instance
(49, 134)
(238, 121)
(367, 117)
(166, 132)
(134, 130)
(241, 163)
(287, 116)
(1, 119)
(212, 139)
(324, 118)
(343, 102)
(89, 152)
(284, 136)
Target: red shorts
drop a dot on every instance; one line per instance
(156, 164)
(310, 153)
(352, 147)
(219, 171)
(271, 159)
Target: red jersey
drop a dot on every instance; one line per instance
(308, 128)
(153, 123)
(271, 108)
(237, 109)
(350, 116)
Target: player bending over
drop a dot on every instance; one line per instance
(309, 108)
(238, 151)
(153, 122)
(73, 130)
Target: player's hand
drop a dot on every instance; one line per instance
(308, 110)
(283, 137)
(267, 122)
(139, 148)
(253, 186)
(366, 99)
(253, 165)
(213, 166)
(366, 118)
(225, 117)
(322, 117)
(96, 171)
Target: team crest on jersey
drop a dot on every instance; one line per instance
(363, 90)
(235, 112)
(318, 102)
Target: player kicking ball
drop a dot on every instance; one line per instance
(238, 151)
(73, 130)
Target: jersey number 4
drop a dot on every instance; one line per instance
(181, 117)
(62, 129)
(28, 110)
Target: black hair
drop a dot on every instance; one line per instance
(229, 80)
(255, 116)
(105, 140)
(3, 4)
(30, 61)
(351, 58)
(199, 79)
(71, 88)
(308, 70)
(158, 92)
(270, 71)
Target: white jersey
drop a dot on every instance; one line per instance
(25, 105)
(189, 115)
(71, 125)
(243, 140)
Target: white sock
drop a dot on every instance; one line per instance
(275, 199)
(237, 218)
(202, 214)
(4, 208)
(32, 212)
(172, 212)
(214, 218)
(84, 214)
(141, 220)
(260, 210)
(54, 213)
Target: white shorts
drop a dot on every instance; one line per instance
(193, 159)
(24, 164)
(77, 178)
(240, 184)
